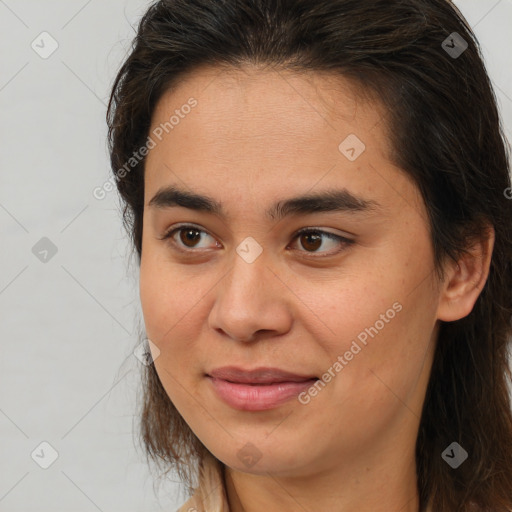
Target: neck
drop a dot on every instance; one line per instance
(376, 488)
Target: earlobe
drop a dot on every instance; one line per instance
(465, 280)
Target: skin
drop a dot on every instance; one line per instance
(256, 137)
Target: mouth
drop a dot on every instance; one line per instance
(262, 376)
(257, 390)
(267, 383)
(258, 397)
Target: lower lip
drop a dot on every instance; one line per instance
(248, 397)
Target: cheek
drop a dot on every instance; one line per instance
(154, 302)
(349, 309)
(173, 307)
(380, 325)
(171, 329)
(167, 296)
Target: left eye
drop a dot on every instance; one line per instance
(311, 239)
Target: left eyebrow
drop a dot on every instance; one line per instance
(325, 201)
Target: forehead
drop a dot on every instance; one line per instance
(250, 109)
(270, 100)
(272, 83)
(261, 130)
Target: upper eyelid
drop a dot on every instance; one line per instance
(297, 232)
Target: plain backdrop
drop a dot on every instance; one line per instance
(69, 303)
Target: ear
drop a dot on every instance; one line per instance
(465, 280)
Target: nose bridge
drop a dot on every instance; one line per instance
(247, 298)
(248, 279)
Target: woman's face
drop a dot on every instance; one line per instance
(241, 288)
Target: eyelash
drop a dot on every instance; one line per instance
(345, 242)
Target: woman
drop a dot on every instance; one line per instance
(318, 194)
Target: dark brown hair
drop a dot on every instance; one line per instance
(446, 134)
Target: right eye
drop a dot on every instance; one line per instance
(188, 236)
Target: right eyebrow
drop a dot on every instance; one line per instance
(340, 200)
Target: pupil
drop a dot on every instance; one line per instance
(317, 238)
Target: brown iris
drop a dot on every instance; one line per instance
(187, 235)
(314, 240)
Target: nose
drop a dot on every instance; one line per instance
(251, 302)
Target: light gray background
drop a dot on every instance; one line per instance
(69, 326)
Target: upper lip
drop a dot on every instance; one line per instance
(261, 375)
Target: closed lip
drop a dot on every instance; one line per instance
(261, 375)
